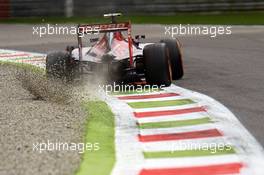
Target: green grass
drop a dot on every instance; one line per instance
(178, 123)
(100, 129)
(241, 18)
(191, 153)
(153, 104)
(25, 66)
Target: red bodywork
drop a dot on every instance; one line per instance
(102, 46)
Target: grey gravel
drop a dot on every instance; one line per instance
(24, 121)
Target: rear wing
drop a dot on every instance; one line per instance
(103, 28)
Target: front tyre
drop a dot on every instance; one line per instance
(157, 64)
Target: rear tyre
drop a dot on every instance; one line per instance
(157, 64)
(175, 58)
(59, 66)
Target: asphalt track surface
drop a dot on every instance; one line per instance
(229, 68)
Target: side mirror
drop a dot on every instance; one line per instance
(93, 40)
(70, 48)
(138, 37)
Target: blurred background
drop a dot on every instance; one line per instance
(70, 8)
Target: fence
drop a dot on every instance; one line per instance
(25, 8)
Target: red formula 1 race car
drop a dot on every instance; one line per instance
(126, 60)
